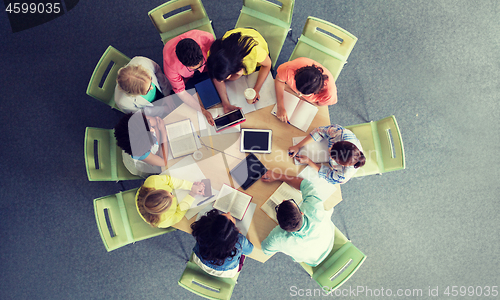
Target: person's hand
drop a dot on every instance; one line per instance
(230, 107)
(257, 97)
(292, 151)
(208, 116)
(198, 188)
(281, 114)
(270, 176)
(303, 159)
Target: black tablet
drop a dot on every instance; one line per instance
(248, 171)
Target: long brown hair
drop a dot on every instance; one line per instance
(152, 203)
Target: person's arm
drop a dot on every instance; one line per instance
(265, 68)
(306, 160)
(162, 157)
(293, 181)
(246, 245)
(292, 151)
(220, 86)
(270, 244)
(279, 86)
(195, 104)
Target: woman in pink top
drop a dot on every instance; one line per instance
(309, 80)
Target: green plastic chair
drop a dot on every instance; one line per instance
(330, 50)
(197, 281)
(342, 262)
(270, 20)
(109, 166)
(107, 91)
(125, 224)
(382, 146)
(194, 18)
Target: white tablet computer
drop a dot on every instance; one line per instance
(256, 140)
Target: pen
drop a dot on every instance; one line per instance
(205, 200)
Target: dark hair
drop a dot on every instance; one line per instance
(347, 154)
(133, 129)
(188, 52)
(226, 56)
(216, 236)
(310, 79)
(289, 216)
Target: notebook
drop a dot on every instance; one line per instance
(207, 92)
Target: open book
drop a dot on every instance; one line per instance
(181, 138)
(233, 201)
(236, 92)
(317, 151)
(283, 192)
(300, 113)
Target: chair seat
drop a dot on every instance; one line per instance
(331, 63)
(203, 24)
(197, 281)
(140, 229)
(365, 136)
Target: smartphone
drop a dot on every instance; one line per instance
(230, 119)
(208, 187)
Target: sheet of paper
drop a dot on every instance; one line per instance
(324, 188)
(195, 208)
(235, 92)
(267, 92)
(242, 225)
(316, 151)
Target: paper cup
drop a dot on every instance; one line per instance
(250, 95)
(197, 155)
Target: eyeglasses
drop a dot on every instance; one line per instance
(277, 206)
(198, 68)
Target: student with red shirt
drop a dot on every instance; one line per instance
(183, 56)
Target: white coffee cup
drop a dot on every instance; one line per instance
(197, 155)
(250, 95)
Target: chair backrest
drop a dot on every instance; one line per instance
(390, 144)
(119, 222)
(103, 158)
(193, 18)
(382, 146)
(106, 92)
(283, 13)
(197, 281)
(336, 269)
(271, 20)
(326, 43)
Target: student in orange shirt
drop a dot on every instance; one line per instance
(309, 80)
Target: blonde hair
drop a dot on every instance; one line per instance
(152, 204)
(131, 79)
